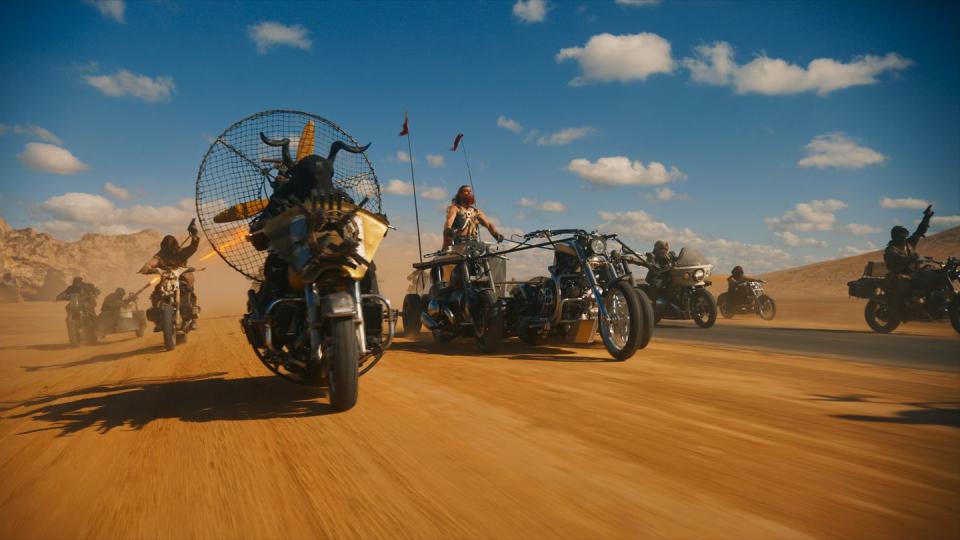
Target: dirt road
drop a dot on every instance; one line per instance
(682, 441)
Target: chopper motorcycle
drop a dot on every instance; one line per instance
(935, 295)
(752, 299)
(681, 292)
(589, 291)
(172, 314)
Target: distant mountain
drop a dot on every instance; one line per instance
(42, 266)
(831, 277)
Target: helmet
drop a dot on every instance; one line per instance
(737, 271)
(120, 291)
(899, 232)
(77, 280)
(661, 246)
(169, 243)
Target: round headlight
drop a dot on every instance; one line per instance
(699, 274)
(598, 245)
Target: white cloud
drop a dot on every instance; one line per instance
(434, 193)
(117, 192)
(269, 34)
(620, 171)
(403, 156)
(808, 216)
(509, 123)
(851, 251)
(793, 240)
(666, 194)
(123, 83)
(32, 131)
(838, 150)
(862, 230)
(76, 213)
(636, 3)
(545, 206)
(435, 160)
(909, 203)
(610, 58)
(530, 11)
(944, 221)
(51, 158)
(565, 136)
(715, 65)
(398, 187)
(111, 9)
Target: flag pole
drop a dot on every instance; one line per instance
(467, 161)
(413, 180)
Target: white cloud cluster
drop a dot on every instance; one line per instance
(111, 9)
(851, 251)
(664, 193)
(403, 157)
(545, 206)
(715, 65)
(620, 171)
(610, 58)
(433, 193)
(565, 136)
(862, 230)
(402, 188)
(398, 187)
(838, 150)
(51, 158)
(530, 11)
(638, 3)
(124, 83)
(793, 240)
(436, 160)
(509, 124)
(117, 192)
(31, 130)
(908, 203)
(808, 216)
(944, 221)
(76, 213)
(270, 34)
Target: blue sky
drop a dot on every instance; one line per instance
(771, 130)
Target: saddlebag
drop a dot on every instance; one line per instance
(864, 287)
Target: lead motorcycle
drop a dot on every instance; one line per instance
(589, 291)
(935, 295)
(751, 298)
(172, 314)
(681, 293)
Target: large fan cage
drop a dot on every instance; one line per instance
(233, 172)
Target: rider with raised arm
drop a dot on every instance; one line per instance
(464, 220)
(172, 256)
(902, 259)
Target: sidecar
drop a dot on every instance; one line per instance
(126, 320)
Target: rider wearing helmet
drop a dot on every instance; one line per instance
(659, 263)
(172, 256)
(901, 256)
(737, 278)
(88, 293)
(464, 220)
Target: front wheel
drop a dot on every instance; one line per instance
(73, 332)
(726, 310)
(703, 308)
(412, 308)
(766, 308)
(880, 317)
(955, 315)
(168, 324)
(623, 330)
(488, 326)
(342, 361)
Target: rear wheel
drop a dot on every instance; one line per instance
(766, 308)
(412, 308)
(623, 332)
(703, 308)
(880, 317)
(488, 324)
(73, 332)
(955, 315)
(726, 310)
(168, 325)
(646, 319)
(342, 361)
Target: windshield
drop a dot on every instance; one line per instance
(691, 257)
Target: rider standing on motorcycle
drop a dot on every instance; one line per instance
(172, 256)
(464, 220)
(87, 292)
(736, 279)
(902, 259)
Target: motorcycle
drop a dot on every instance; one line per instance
(128, 319)
(751, 299)
(681, 293)
(81, 323)
(174, 315)
(318, 316)
(462, 300)
(590, 290)
(935, 295)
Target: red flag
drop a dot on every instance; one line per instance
(456, 142)
(405, 130)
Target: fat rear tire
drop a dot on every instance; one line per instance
(412, 308)
(488, 327)
(342, 359)
(168, 325)
(709, 317)
(646, 319)
(880, 317)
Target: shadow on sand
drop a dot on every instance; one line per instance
(512, 350)
(678, 325)
(96, 359)
(61, 346)
(922, 414)
(203, 398)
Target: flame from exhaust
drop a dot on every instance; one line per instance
(155, 280)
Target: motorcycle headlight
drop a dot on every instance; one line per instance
(598, 246)
(699, 274)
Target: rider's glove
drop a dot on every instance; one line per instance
(928, 213)
(192, 229)
(499, 237)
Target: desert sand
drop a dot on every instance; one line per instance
(124, 440)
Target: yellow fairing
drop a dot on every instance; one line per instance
(305, 146)
(373, 229)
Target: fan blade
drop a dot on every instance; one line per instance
(305, 146)
(241, 211)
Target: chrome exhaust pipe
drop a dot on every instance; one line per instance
(428, 321)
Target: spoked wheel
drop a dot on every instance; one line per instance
(488, 323)
(622, 334)
(704, 308)
(880, 317)
(412, 307)
(168, 325)
(342, 356)
(766, 308)
(726, 310)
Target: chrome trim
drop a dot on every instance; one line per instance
(391, 317)
(267, 327)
